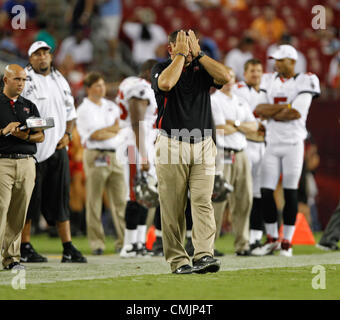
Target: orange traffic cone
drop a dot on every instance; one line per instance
(303, 234)
(150, 237)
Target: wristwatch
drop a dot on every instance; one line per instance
(69, 135)
(237, 123)
(200, 55)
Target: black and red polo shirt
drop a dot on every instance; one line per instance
(17, 111)
(187, 105)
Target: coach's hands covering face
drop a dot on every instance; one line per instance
(193, 44)
(182, 44)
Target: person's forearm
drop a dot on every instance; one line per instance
(140, 139)
(269, 110)
(248, 127)
(102, 134)
(37, 137)
(170, 76)
(227, 129)
(89, 6)
(287, 115)
(114, 128)
(216, 69)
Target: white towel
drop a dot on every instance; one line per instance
(34, 89)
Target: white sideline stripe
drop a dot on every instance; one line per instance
(105, 267)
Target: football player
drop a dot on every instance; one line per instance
(289, 97)
(138, 104)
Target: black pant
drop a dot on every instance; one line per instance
(51, 192)
(331, 234)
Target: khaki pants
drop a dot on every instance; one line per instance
(179, 166)
(237, 174)
(17, 177)
(110, 178)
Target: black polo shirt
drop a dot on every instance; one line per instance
(187, 105)
(19, 112)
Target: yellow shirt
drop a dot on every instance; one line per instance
(272, 30)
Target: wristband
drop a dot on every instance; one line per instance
(289, 106)
(181, 54)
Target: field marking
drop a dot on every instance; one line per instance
(112, 266)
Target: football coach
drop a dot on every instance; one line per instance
(17, 167)
(181, 87)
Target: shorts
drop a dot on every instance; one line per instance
(51, 192)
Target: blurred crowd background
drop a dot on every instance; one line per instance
(116, 36)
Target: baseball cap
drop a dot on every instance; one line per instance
(285, 51)
(36, 46)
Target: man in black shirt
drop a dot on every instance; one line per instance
(182, 87)
(17, 168)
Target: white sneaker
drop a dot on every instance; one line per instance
(129, 251)
(286, 253)
(268, 248)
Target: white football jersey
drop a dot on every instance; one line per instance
(284, 91)
(134, 87)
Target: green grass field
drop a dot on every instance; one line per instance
(109, 277)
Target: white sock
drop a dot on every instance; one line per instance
(288, 232)
(130, 236)
(272, 229)
(255, 235)
(189, 234)
(141, 233)
(158, 233)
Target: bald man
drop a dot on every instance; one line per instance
(17, 167)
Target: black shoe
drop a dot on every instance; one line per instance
(186, 269)
(189, 248)
(243, 253)
(256, 244)
(28, 254)
(142, 251)
(73, 255)
(98, 252)
(206, 264)
(157, 248)
(218, 253)
(15, 266)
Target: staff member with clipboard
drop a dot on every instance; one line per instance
(17, 168)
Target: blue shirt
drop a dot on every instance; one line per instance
(111, 8)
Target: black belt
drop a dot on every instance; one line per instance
(251, 140)
(232, 150)
(15, 156)
(185, 139)
(105, 150)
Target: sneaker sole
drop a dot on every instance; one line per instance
(71, 261)
(212, 268)
(33, 261)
